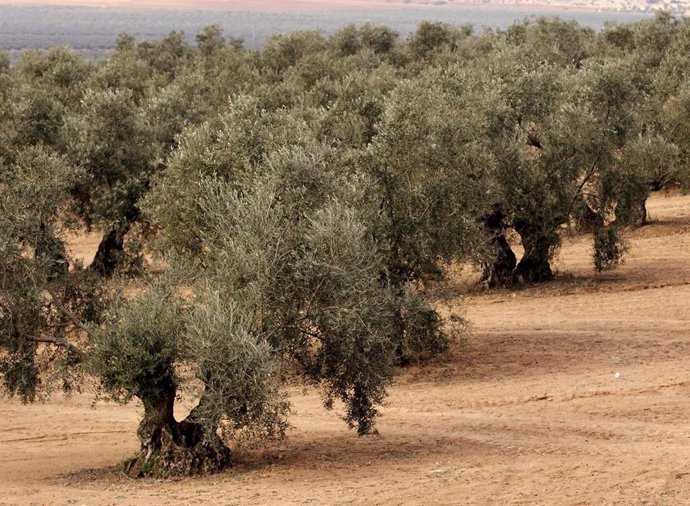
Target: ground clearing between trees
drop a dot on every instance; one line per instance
(527, 410)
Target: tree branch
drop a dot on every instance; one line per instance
(62, 343)
(589, 175)
(73, 318)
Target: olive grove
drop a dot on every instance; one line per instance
(303, 200)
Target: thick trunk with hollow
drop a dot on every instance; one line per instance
(535, 264)
(171, 448)
(110, 253)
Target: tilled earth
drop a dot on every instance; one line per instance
(576, 392)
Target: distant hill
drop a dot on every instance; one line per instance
(93, 31)
(675, 6)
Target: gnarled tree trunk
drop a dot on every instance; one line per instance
(497, 271)
(110, 253)
(171, 448)
(401, 358)
(654, 186)
(535, 265)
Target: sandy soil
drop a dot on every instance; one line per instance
(526, 411)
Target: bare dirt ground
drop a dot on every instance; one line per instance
(526, 411)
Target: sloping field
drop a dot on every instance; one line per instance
(528, 410)
(274, 5)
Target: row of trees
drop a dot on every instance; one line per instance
(304, 198)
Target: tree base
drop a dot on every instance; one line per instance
(171, 457)
(533, 271)
(499, 271)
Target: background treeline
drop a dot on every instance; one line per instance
(304, 198)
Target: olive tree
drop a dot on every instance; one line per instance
(109, 141)
(560, 139)
(287, 275)
(430, 168)
(658, 50)
(553, 40)
(352, 39)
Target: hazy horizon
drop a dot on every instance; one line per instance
(94, 30)
(245, 5)
(306, 5)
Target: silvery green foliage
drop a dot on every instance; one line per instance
(352, 39)
(171, 109)
(240, 372)
(109, 142)
(30, 189)
(353, 104)
(552, 40)
(135, 352)
(430, 166)
(676, 129)
(37, 290)
(647, 160)
(430, 170)
(228, 147)
(300, 265)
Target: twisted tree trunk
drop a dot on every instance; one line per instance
(498, 270)
(171, 448)
(535, 265)
(110, 253)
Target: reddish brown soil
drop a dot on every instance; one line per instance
(527, 410)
